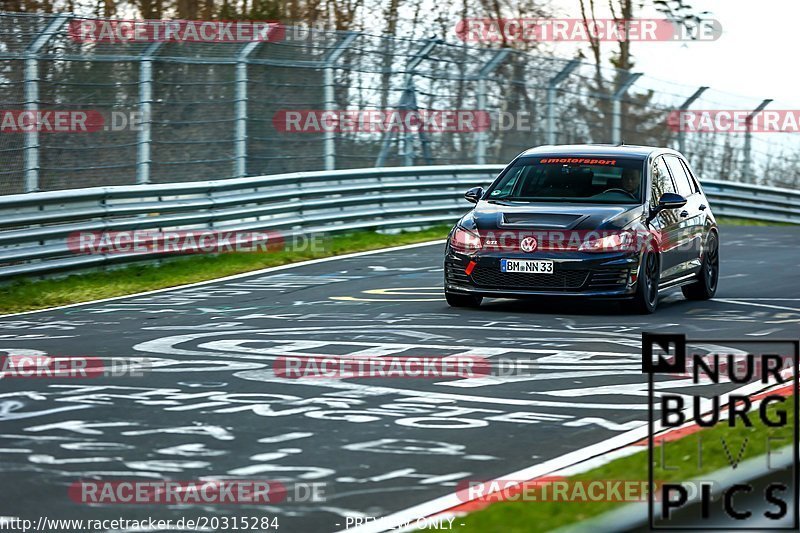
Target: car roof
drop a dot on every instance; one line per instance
(597, 149)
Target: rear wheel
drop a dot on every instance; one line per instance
(645, 300)
(462, 300)
(707, 280)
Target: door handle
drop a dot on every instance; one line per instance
(684, 213)
(703, 207)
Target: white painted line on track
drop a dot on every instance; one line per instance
(754, 304)
(236, 276)
(766, 299)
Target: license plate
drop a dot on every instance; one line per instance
(526, 266)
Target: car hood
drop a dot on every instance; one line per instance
(496, 215)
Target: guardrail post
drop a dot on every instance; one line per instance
(747, 170)
(616, 101)
(31, 89)
(550, 108)
(145, 107)
(240, 110)
(684, 107)
(488, 68)
(329, 147)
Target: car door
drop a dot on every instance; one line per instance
(666, 223)
(691, 218)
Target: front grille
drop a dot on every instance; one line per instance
(559, 280)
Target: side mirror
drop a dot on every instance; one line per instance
(668, 200)
(671, 200)
(474, 194)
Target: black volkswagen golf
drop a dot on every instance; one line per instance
(616, 222)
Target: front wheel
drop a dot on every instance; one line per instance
(707, 280)
(645, 300)
(462, 300)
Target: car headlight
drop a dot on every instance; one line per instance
(616, 242)
(465, 241)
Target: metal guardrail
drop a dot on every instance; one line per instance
(34, 227)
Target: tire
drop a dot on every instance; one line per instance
(462, 300)
(708, 278)
(645, 301)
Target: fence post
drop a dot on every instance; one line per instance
(550, 108)
(684, 107)
(31, 88)
(747, 171)
(145, 108)
(408, 140)
(329, 146)
(616, 100)
(408, 95)
(486, 69)
(240, 110)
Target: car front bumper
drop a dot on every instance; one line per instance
(581, 274)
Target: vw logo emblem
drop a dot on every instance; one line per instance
(528, 244)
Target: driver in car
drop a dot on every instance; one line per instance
(631, 179)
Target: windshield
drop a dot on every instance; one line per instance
(586, 179)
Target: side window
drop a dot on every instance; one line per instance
(685, 188)
(692, 178)
(661, 180)
(509, 181)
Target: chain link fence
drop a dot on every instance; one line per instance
(207, 110)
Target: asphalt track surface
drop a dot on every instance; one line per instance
(212, 408)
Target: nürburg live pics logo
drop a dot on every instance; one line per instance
(722, 433)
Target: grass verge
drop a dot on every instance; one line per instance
(28, 295)
(513, 517)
